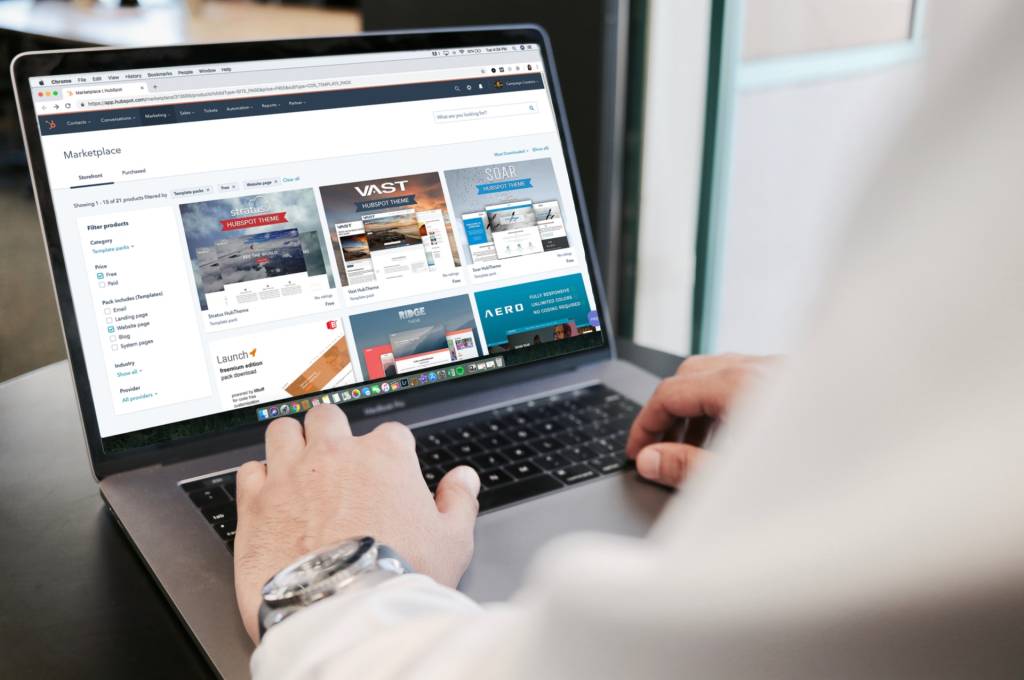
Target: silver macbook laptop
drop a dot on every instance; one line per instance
(387, 222)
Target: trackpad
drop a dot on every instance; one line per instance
(507, 539)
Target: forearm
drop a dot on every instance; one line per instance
(411, 626)
(391, 631)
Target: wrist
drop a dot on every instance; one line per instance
(352, 565)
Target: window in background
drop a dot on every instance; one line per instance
(663, 176)
(781, 27)
(786, 41)
(765, 47)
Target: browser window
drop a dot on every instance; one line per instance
(246, 240)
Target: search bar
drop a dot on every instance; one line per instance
(485, 112)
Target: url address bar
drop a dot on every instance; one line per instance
(237, 92)
(152, 95)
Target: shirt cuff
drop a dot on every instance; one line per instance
(386, 625)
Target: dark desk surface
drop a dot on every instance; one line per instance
(75, 600)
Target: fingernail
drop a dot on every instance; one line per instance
(648, 463)
(468, 479)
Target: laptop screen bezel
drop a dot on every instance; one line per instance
(99, 59)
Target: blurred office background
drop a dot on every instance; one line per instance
(722, 143)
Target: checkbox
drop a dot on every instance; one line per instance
(106, 310)
(102, 285)
(113, 348)
(110, 329)
(99, 275)
(110, 319)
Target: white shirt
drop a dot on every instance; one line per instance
(863, 516)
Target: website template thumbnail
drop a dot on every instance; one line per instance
(508, 209)
(384, 229)
(250, 253)
(536, 312)
(416, 337)
(286, 362)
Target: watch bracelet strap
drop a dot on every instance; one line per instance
(393, 566)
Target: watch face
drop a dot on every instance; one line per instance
(302, 581)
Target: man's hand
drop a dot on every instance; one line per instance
(322, 485)
(666, 436)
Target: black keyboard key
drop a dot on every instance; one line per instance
(540, 411)
(431, 440)
(448, 465)
(546, 445)
(608, 464)
(575, 474)
(220, 480)
(493, 478)
(519, 452)
(627, 408)
(488, 461)
(510, 419)
(461, 433)
(523, 469)
(517, 491)
(432, 476)
(572, 437)
(219, 513)
(551, 461)
(436, 457)
(225, 529)
(491, 425)
(493, 441)
(591, 429)
(465, 449)
(617, 425)
(603, 445)
(231, 546)
(206, 497)
(231, 489)
(522, 434)
(580, 454)
(209, 482)
(549, 427)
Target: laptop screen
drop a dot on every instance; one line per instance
(245, 240)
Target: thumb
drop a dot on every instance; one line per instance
(456, 496)
(667, 463)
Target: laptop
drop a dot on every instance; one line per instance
(387, 222)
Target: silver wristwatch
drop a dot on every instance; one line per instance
(357, 563)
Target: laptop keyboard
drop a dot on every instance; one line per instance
(521, 451)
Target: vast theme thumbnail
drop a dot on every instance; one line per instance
(383, 229)
(250, 249)
(415, 337)
(508, 209)
(536, 312)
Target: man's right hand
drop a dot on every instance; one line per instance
(700, 394)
